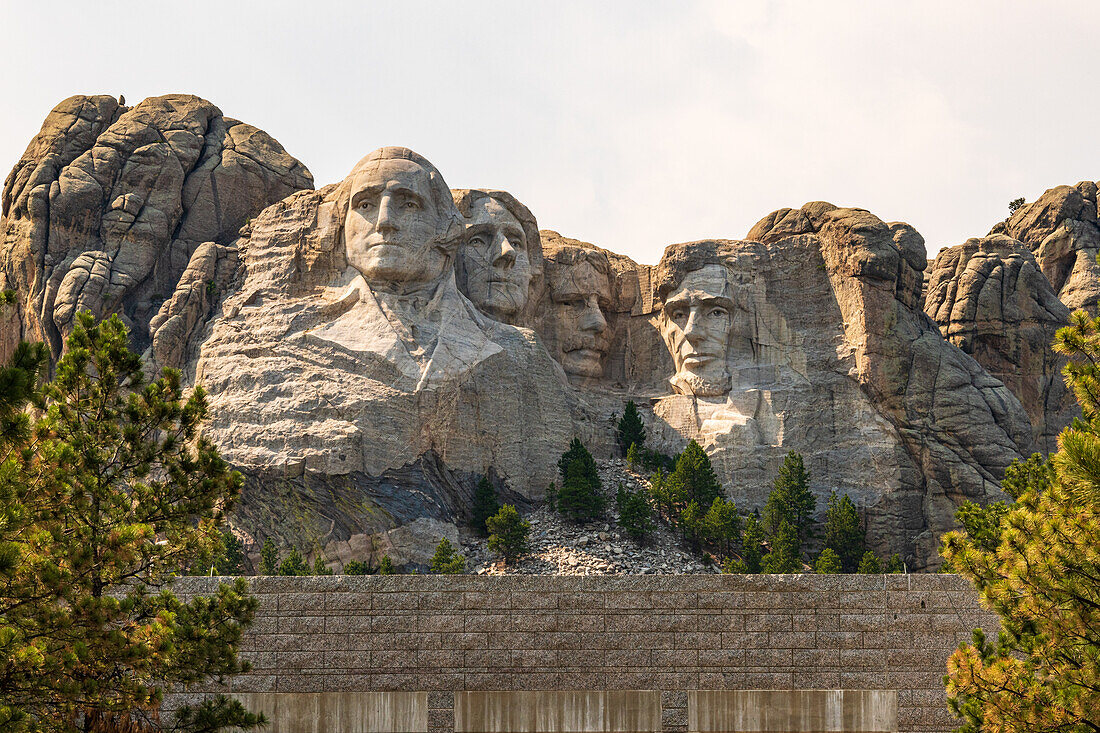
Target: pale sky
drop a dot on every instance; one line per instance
(632, 125)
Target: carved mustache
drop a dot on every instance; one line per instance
(575, 342)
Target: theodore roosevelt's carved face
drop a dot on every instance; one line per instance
(393, 226)
(695, 324)
(496, 260)
(581, 292)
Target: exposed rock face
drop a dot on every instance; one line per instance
(1062, 231)
(378, 345)
(841, 300)
(348, 359)
(991, 300)
(109, 207)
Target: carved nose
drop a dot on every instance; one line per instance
(385, 221)
(692, 331)
(593, 319)
(507, 255)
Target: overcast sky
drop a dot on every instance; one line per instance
(630, 124)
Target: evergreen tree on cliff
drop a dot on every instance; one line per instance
(1042, 578)
(105, 495)
(844, 533)
(485, 506)
(631, 429)
(694, 476)
(791, 501)
(580, 497)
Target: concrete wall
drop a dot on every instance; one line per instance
(624, 653)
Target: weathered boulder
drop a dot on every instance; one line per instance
(990, 299)
(109, 205)
(1062, 231)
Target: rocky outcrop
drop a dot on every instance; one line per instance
(372, 348)
(110, 206)
(990, 299)
(928, 427)
(1062, 231)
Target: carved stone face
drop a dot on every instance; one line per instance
(695, 324)
(496, 260)
(580, 293)
(392, 225)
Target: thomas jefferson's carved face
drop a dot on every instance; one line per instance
(496, 260)
(580, 293)
(392, 228)
(695, 323)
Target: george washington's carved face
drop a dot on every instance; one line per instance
(496, 260)
(392, 229)
(695, 324)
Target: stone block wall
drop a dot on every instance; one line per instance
(320, 638)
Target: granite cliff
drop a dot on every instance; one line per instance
(373, 347)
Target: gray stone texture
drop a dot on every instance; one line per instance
(675, 635)
(114, 209)
(990, 298)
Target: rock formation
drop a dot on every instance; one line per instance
(134, 210)
(807, 337)
(990, 299)
(372, 348)
(1062, 231)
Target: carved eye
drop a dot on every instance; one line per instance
(411, 205)
(677, 314)
(477, 241)
(718, 313)
(365, 204)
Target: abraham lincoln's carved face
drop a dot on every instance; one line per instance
(695, 324)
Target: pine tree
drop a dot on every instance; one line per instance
(791, 499)
(828, 562)
(232, 557)
(723, 525)
(115, 495)
(635, 513)
(752, 542)
(485, 506)
(579, 498)
(694, 476)
(508, 533)
(784, 554)
(359, 567)
(895, 565)
(869, 564)
(385, 566)
(631, 429)
(844, 532)
(269, 558)
(1042, 673)
(734, 566)
(632, 456)
(319, 567)
(446, 561)
(577, 452)
(691, 522)
(293, 564)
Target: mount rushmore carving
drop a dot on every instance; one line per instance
(371, 348)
